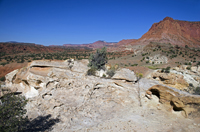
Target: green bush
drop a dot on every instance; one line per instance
(163, 70)
(197, 91)
(111, 72)
(3, 64)
(198, 63)
(152, 67)
(99, 59)
(166, 70)
(104, 75)
(134, 64)
(12, 112)
(191, 85)
(2, 78)
(188, 68)
(91, 71)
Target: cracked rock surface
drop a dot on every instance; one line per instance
(89, 103)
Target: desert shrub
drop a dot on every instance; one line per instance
(3, 63)
(111, 72)
(12, 112)
(144, 54)
(163, 70)
(191, 85)
(91, 71)
(166, 70)
(152, 67)
(139, 76)
(198, 63)
(2, 78)
(134, 64)
(104, 75)
(99, 59)
(188, 68)
(197, 91)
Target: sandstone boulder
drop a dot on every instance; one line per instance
(80, 66)
(170, 78)
(194, 69)
(177, 100)
(125, 74)
(49, 63)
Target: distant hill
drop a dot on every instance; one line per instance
(14, 48)
(97, 44)
(172, 31)
(175, 32)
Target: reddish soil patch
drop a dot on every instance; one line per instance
(10, 67)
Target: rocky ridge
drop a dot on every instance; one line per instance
(172, 31)
(179, 77)
(88, 103)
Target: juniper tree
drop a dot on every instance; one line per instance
(99, 59)
(12, 112)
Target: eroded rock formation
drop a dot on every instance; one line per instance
(179, 77)
(88, 103)
(178, 101)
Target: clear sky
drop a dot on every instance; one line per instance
(57, 22)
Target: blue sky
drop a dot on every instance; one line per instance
(57, 22)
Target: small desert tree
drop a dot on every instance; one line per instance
(99, 59)
(12, 112)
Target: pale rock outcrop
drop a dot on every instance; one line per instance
(176, 100)
(49, 63)
(194, 69)
(10, 77)
(170, 78)
(90, 103)
(125, 74)
(180, 77)
(158, 59)
(80, 66)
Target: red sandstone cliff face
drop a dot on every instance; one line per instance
(173, 31)
(126, 41)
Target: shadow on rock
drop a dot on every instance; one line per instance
(41, 123)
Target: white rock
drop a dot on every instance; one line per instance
(125, 74)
